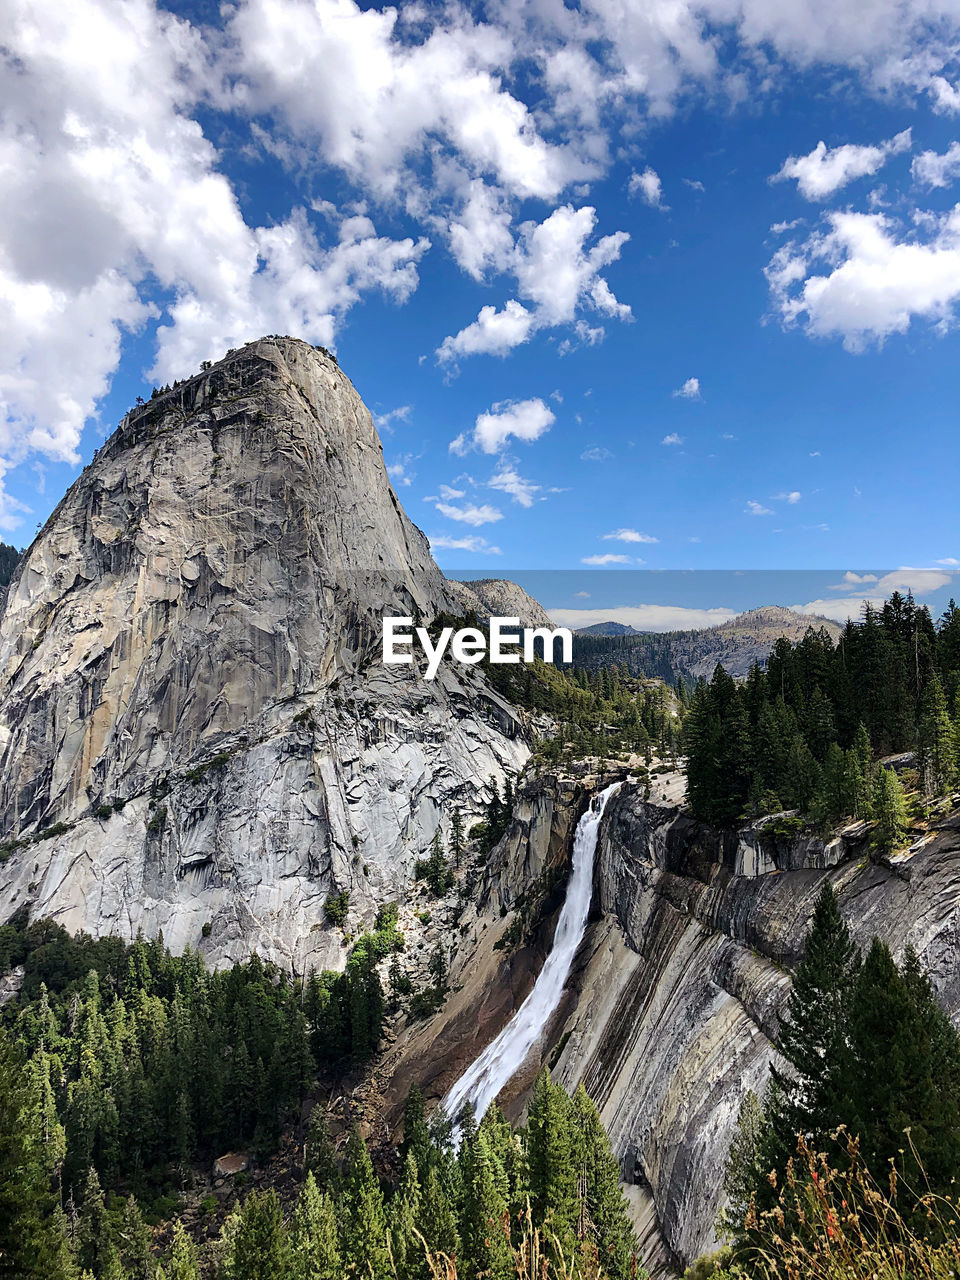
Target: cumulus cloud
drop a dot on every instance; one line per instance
(867, 277)
(648, 186)
(825, 170)
(525, 420)
(385, 421)
(472, 543)
(936, 169)
(508, 480)
(645, 617)
(399, 470)
(793, 497)
(608, 558)
(113, 212)
(672, 439)
(473, 514)
(851, 579)
(557, 275)
(756, 509)
(690, 390)
(949, 561)
(628, 535)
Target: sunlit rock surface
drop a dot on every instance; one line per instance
(190, 675)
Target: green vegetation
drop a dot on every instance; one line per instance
(336, 907)
(872, 1084)
(805, 733)
(598, 713)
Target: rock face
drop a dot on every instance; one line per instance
(684, 974)
(196, 730)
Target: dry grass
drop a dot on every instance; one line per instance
(832, 1224)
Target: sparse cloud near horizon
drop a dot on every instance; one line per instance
(645, 617)
(628, 535)
(608, 558)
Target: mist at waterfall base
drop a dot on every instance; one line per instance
(504, 1056)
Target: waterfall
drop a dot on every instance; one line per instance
(504, 1056)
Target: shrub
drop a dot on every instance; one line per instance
(336, 907)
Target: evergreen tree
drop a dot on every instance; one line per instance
(261, 1248)
(364, 1224)
(812, 1036)
(935, 745)
(485, 1222)
(603, 1215)
(550, 1156)
(94, 1243)
(135, 1243)
(889, 810)
(403, 1218)
(457, 838)
(316, 1249)
(438, 1223)
(320, 1157)
(183, 1260)
(29, 1245)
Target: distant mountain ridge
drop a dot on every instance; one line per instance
(737, 644)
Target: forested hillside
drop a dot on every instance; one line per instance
(125, 1070)
(805, 733)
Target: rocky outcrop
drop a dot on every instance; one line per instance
(196, 732)
(682, 978)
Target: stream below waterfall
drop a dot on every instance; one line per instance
(504, 1056)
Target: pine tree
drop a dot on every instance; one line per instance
(438, 1223)
(812, 1036)
(553, 1179)
(935, 746)
(744, 1171)
(183, 1260)
(135, 1243)
(364, 1224)
(30, 1247)
(889, 810)
(261, 1249)
(316, 1249)
(94, 1242)
(403, 1219)
(485, 1222)
(603, 1215)
(320, 1156)
(457, 839)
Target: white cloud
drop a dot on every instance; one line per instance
(608, 558)
(793, 497)
(756, 509)
(645, 617)
(932, 169)
(111, 198)
(508, 480)
(473, 543)
(851, 579)
(672, 438)
(525, 420)
(628, 535)
(399, 470)
(875, 278)
(949, 561)
(595, 454)
(581, 595)
(385, 421)
(648, 186)
(557, 275)
(826, 170)
(472, 514)
(450, 494)
(690, 390)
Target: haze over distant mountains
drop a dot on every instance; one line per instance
(737, 644)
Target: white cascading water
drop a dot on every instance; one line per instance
(503, 1057)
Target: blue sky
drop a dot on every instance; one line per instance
(670, 284)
